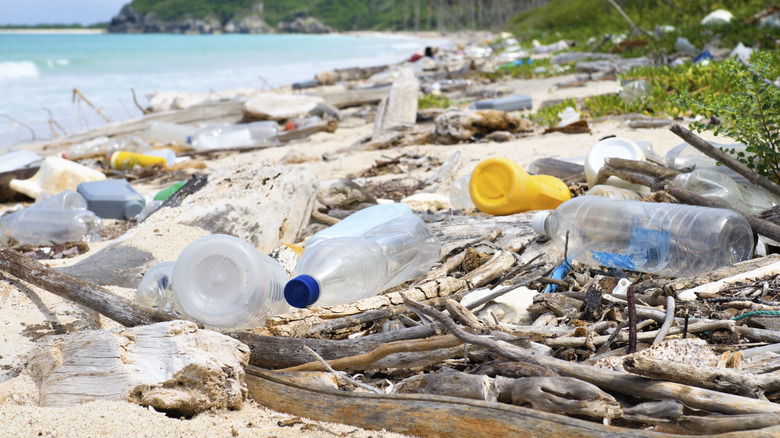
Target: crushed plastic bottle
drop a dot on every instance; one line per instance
(717, 186)
(224, 136)
(666, 239)
(499, 186)
(223, 281)
(368, 252)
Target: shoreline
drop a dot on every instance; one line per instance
(53, 31)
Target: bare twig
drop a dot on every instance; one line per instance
(138, 105)
(53, 123)
(342, 375)
(32, 131)
(631, 320)
(667, 322)
(635, 29)
(78, 94)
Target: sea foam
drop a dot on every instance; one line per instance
(18, 69)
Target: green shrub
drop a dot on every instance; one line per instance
(747, 110)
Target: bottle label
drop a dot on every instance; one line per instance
(647, 248)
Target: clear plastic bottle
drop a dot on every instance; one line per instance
(166, 132)
(223, 281)
(155, 290)
(658, 238)
(343, 269)
(41, 226)
(459, 193)
(64, 200)
(223, 136)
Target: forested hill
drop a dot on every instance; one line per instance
(208, 16)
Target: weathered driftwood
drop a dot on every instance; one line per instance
(348, 98)
(419, 414)
(718, 379)
(369, 360)
(231, 112)
(171, 366)
(119, 309)
(727, 160)
(349, 74)
(564, 395)
(610, 380)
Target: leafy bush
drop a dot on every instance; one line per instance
(434, 101)
(747, 110)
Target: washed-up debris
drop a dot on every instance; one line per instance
(459, 126)
(172, 367)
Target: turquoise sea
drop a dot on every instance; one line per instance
(38, 71)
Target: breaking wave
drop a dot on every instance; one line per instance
(18, 69)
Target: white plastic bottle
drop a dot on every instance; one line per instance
(659, 238)
(382, 251)
(223, 281)
(166, 132)
(224, 136)
(155, 290)
(42, 226)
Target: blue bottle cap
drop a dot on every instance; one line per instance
(302, 291)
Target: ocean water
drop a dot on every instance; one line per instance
(38, 71)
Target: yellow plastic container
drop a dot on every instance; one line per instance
(123, 160)
(499, 186)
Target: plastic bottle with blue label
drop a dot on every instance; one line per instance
(666, 239)
(368, 252)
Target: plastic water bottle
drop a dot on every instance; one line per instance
(42, 226)
(361, 256)
(224, 136)
(223, 281)
(64, 200)
(500, 186)
(155, 290)
(658, 238)
(166, 132)
(459, 193)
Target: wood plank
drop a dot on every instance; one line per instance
(420, 414)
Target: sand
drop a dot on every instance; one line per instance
(27, 310)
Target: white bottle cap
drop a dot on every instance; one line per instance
(538, 221)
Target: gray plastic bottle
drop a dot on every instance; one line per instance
(223, 281)
(658, 238)
(387, 245)
(113, 198)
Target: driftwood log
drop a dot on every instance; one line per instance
(422, 415)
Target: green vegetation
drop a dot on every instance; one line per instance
(580, 20)
(747, 109)
(432, 100)
(347, 14)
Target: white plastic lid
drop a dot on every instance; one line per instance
(613, 147)
(538, 220)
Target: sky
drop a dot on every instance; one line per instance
(85, 12)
